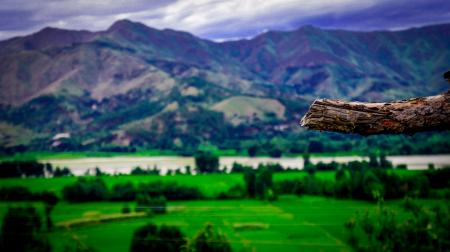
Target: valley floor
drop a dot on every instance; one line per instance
(292, 223)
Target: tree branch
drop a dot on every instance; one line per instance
(406, 116)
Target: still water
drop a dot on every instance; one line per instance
(114, 165)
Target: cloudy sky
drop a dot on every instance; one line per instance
(220, 19)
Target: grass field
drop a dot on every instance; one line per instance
(210, 185)
(290, 224)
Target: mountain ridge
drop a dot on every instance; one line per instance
(130, 83)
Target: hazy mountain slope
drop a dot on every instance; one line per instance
(133, 84)
(364, 65)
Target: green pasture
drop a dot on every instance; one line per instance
(290, 224)
(209, 184)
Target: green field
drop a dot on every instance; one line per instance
(290, 224)
(210, 185)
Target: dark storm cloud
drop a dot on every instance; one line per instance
(220, 19)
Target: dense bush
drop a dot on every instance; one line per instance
(153, 238)
(439, 178)
(424, 230)
(209, 240)
(357, 180)
(21, 193)
(86, 190)
(171, 191)
(123, 192)
(259, 184)
(16, 193)
(95, 190)
(126, 209)
(145, 203)
(235, 192)
(21, 231)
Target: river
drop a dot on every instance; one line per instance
(114, 165)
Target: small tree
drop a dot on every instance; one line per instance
(126, 209)
(259, 183)
(206, 162)
(155, 205)
(209, 240)
(152, 238)
(250, 182)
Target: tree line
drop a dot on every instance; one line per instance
(31, 168)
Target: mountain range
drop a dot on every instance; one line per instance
(135, 85)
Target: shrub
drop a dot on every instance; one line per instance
(439, 178)
(123, 192)
(147, 204)
(258, 182)
(340, 174)
(171, 191)
(152, 238)
(86, 190)
(310, 169)
(16, 193)
(126, 209)
(424, 230)
(235, 192)
(402, 167)
(289, 186)
(209, 240)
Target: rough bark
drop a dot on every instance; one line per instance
(406, 116)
